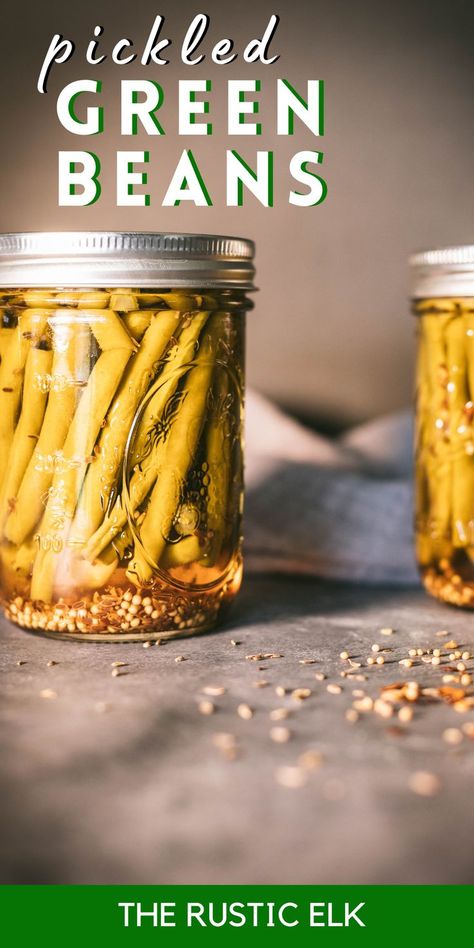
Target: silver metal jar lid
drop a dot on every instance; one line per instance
(135, 259)
(445, 272)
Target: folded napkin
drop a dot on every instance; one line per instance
(335, 508)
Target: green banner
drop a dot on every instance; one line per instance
(247, 915)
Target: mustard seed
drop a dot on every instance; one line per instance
(279, 714)
(291, 777)
(424, 783)
(280, 734)
(452, 735)
(206, 707)
(352, 715)
(245, 711)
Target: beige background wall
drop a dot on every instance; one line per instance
(331, 336)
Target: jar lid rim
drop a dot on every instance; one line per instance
(110, 241)
(122, 258)
(443, 272)
(441, 256)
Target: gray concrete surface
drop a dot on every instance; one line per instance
(138, 793)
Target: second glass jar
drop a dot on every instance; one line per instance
(444, 306)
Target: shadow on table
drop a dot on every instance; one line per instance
(267, 597)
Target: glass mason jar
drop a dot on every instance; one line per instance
(121, 398)
(444, 304)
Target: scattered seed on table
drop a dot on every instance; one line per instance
(352, 715)
(300, 694)
(468, 729)
(279, 714)
(320, 676)
(291, 777)
(280, 691)
(363, 704)
(214, 691)
(101, 707)
(263, 656)
(412, 691)
(464, 705)
(245, 711)
(260, 684)
(405, 715)
(387, 631)
(375, 647)
(48, 693)
(424, 783)
(466, 656)
(383, 708)
(206, 707)
(307, 661)
(334, 689)
(412, 652)
(310, 760)
(235, 642)
(371, 660)
(406, 662)
(21, 662)
(355, 664)
(51, 663)
(380, 660)
(466, 679)
(118, 664)
(452, 735)
(344, 655)
(221, 739)
(180, 658)
(226, 744)
(118, 673)
(147, 644)
(430, 693)
(280, 734)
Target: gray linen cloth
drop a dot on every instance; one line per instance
(339, 509)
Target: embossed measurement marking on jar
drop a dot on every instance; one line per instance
(49, 542)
